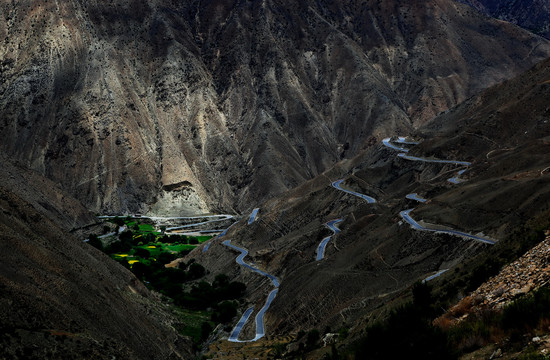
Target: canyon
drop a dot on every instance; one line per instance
(296, 110)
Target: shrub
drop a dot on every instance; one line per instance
(196, 271)
(165, 258)
(95, 242)
(123, 262)
(408, 333)
(140, 270)
(221, 280)
(343, 333)
(235, 290)
(470, 334)
(525, 313)
(127, 235)
(206, 329)
(142, 253)
(312, 338)
(224, 312)
(183, 253)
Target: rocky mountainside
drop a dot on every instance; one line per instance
(505, 132)
(190, 107)
(526, 274)
(533, 15)
(171, 107)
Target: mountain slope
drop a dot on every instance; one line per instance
(189, 107)
(533, 15)
(62, 298)
(377, 256)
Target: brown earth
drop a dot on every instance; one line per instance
(376, 258)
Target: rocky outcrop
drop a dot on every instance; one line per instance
(526, 274)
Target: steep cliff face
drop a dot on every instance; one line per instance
(211, 105)
(86, 100)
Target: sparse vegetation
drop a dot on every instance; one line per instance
(409, 331)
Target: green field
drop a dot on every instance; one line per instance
(143, 228)
(129, 247)
(144, 236)
(156, 248)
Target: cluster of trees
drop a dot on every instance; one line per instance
(179, 239)
(407, 333)
(127, 240)
(125, 243)
(167, 281)
(216, 296)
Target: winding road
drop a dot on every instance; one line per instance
(217, 218)
(439, 273)
(253, 216)
(416, 197)
(387, 143)
(456, 179)
(260, 326)
(321, 248)
(226, 216)
(169, 231)
(405, 214)
(403, 140)
(337, 183)
(223, 233)
(437, 161)
(234, 337)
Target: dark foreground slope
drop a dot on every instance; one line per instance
(60, 298)
(377, 257)
(209, 105)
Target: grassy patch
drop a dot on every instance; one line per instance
(155, 249)
(203, 238)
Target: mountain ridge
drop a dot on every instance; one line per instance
(117, 118)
